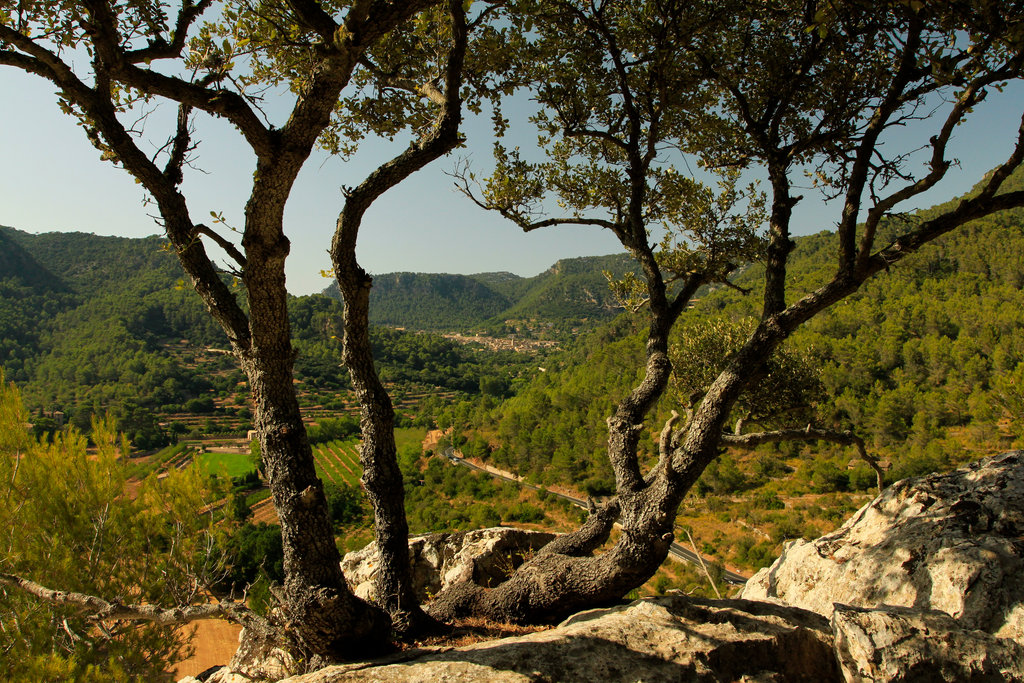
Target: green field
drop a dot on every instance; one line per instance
(225, 464)
(410, 436)
(336, 461)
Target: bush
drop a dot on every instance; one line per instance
(250, 550)
(525, 513)
(827, 478)
(344, 503)
(862, 478)
(238, 508)
(598, 486)
(768, 500)
(722, 476)
(203, 404)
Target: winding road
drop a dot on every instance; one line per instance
(675, 549)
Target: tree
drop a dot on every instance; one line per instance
(631, 93)
(344, 502)
(628, 92)
(67, 521)
(210, 57)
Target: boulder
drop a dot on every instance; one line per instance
(949, 542)
(487, 556)
(671, 638)
(899, 644)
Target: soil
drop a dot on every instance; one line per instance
(214, 642)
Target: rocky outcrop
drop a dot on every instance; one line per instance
(923, 583)
(902, 644)
(949, 542)
(666, 639)
(487, 556)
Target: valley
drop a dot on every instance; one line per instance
(932, 384)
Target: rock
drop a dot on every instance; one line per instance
(671, 638)
(486, 555)
(258, 658)
(219, 675)
(899, 644)
(949, 542)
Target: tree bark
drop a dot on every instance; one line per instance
(327, 618)
(382, 478)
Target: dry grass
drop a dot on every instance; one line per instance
(216, 641)
(475, 630)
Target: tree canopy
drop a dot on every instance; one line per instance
(630, 94)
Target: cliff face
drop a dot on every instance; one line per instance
(923, 583)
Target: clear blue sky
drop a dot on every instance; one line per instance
(51, 179)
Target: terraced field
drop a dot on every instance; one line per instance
(338, 462)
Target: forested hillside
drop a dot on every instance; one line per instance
(107, 324)
(925, 363)
(430, 301)
(86, 325)
(571, 295)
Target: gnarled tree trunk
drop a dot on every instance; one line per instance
(382, 478)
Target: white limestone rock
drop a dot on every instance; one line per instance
(666, 639)
(897, 644)
(438, 560)
(949, 542)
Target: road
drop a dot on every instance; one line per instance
(675, 549)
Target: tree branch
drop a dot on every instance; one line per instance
(427, 89)
(442, 138)
(160, 48)
(971, 96)
(102, 610)
(102, 30)
(665, 440)
(590, 536)
(180, 146)
(310, 13)
(605, 136)
(983, 204)
(522, 217)
(42, 62)
(222, 243)
(894, 98)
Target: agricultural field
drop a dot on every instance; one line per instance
(410, 437)
(338, 462)
(226, 464)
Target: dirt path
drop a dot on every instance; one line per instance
(215, 641)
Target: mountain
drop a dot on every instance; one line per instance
(573, 290)
(430, 301)
(85, 320)
(573, 293)
(18, 265)
(27, 291)
(89, 323)
(89, 264)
